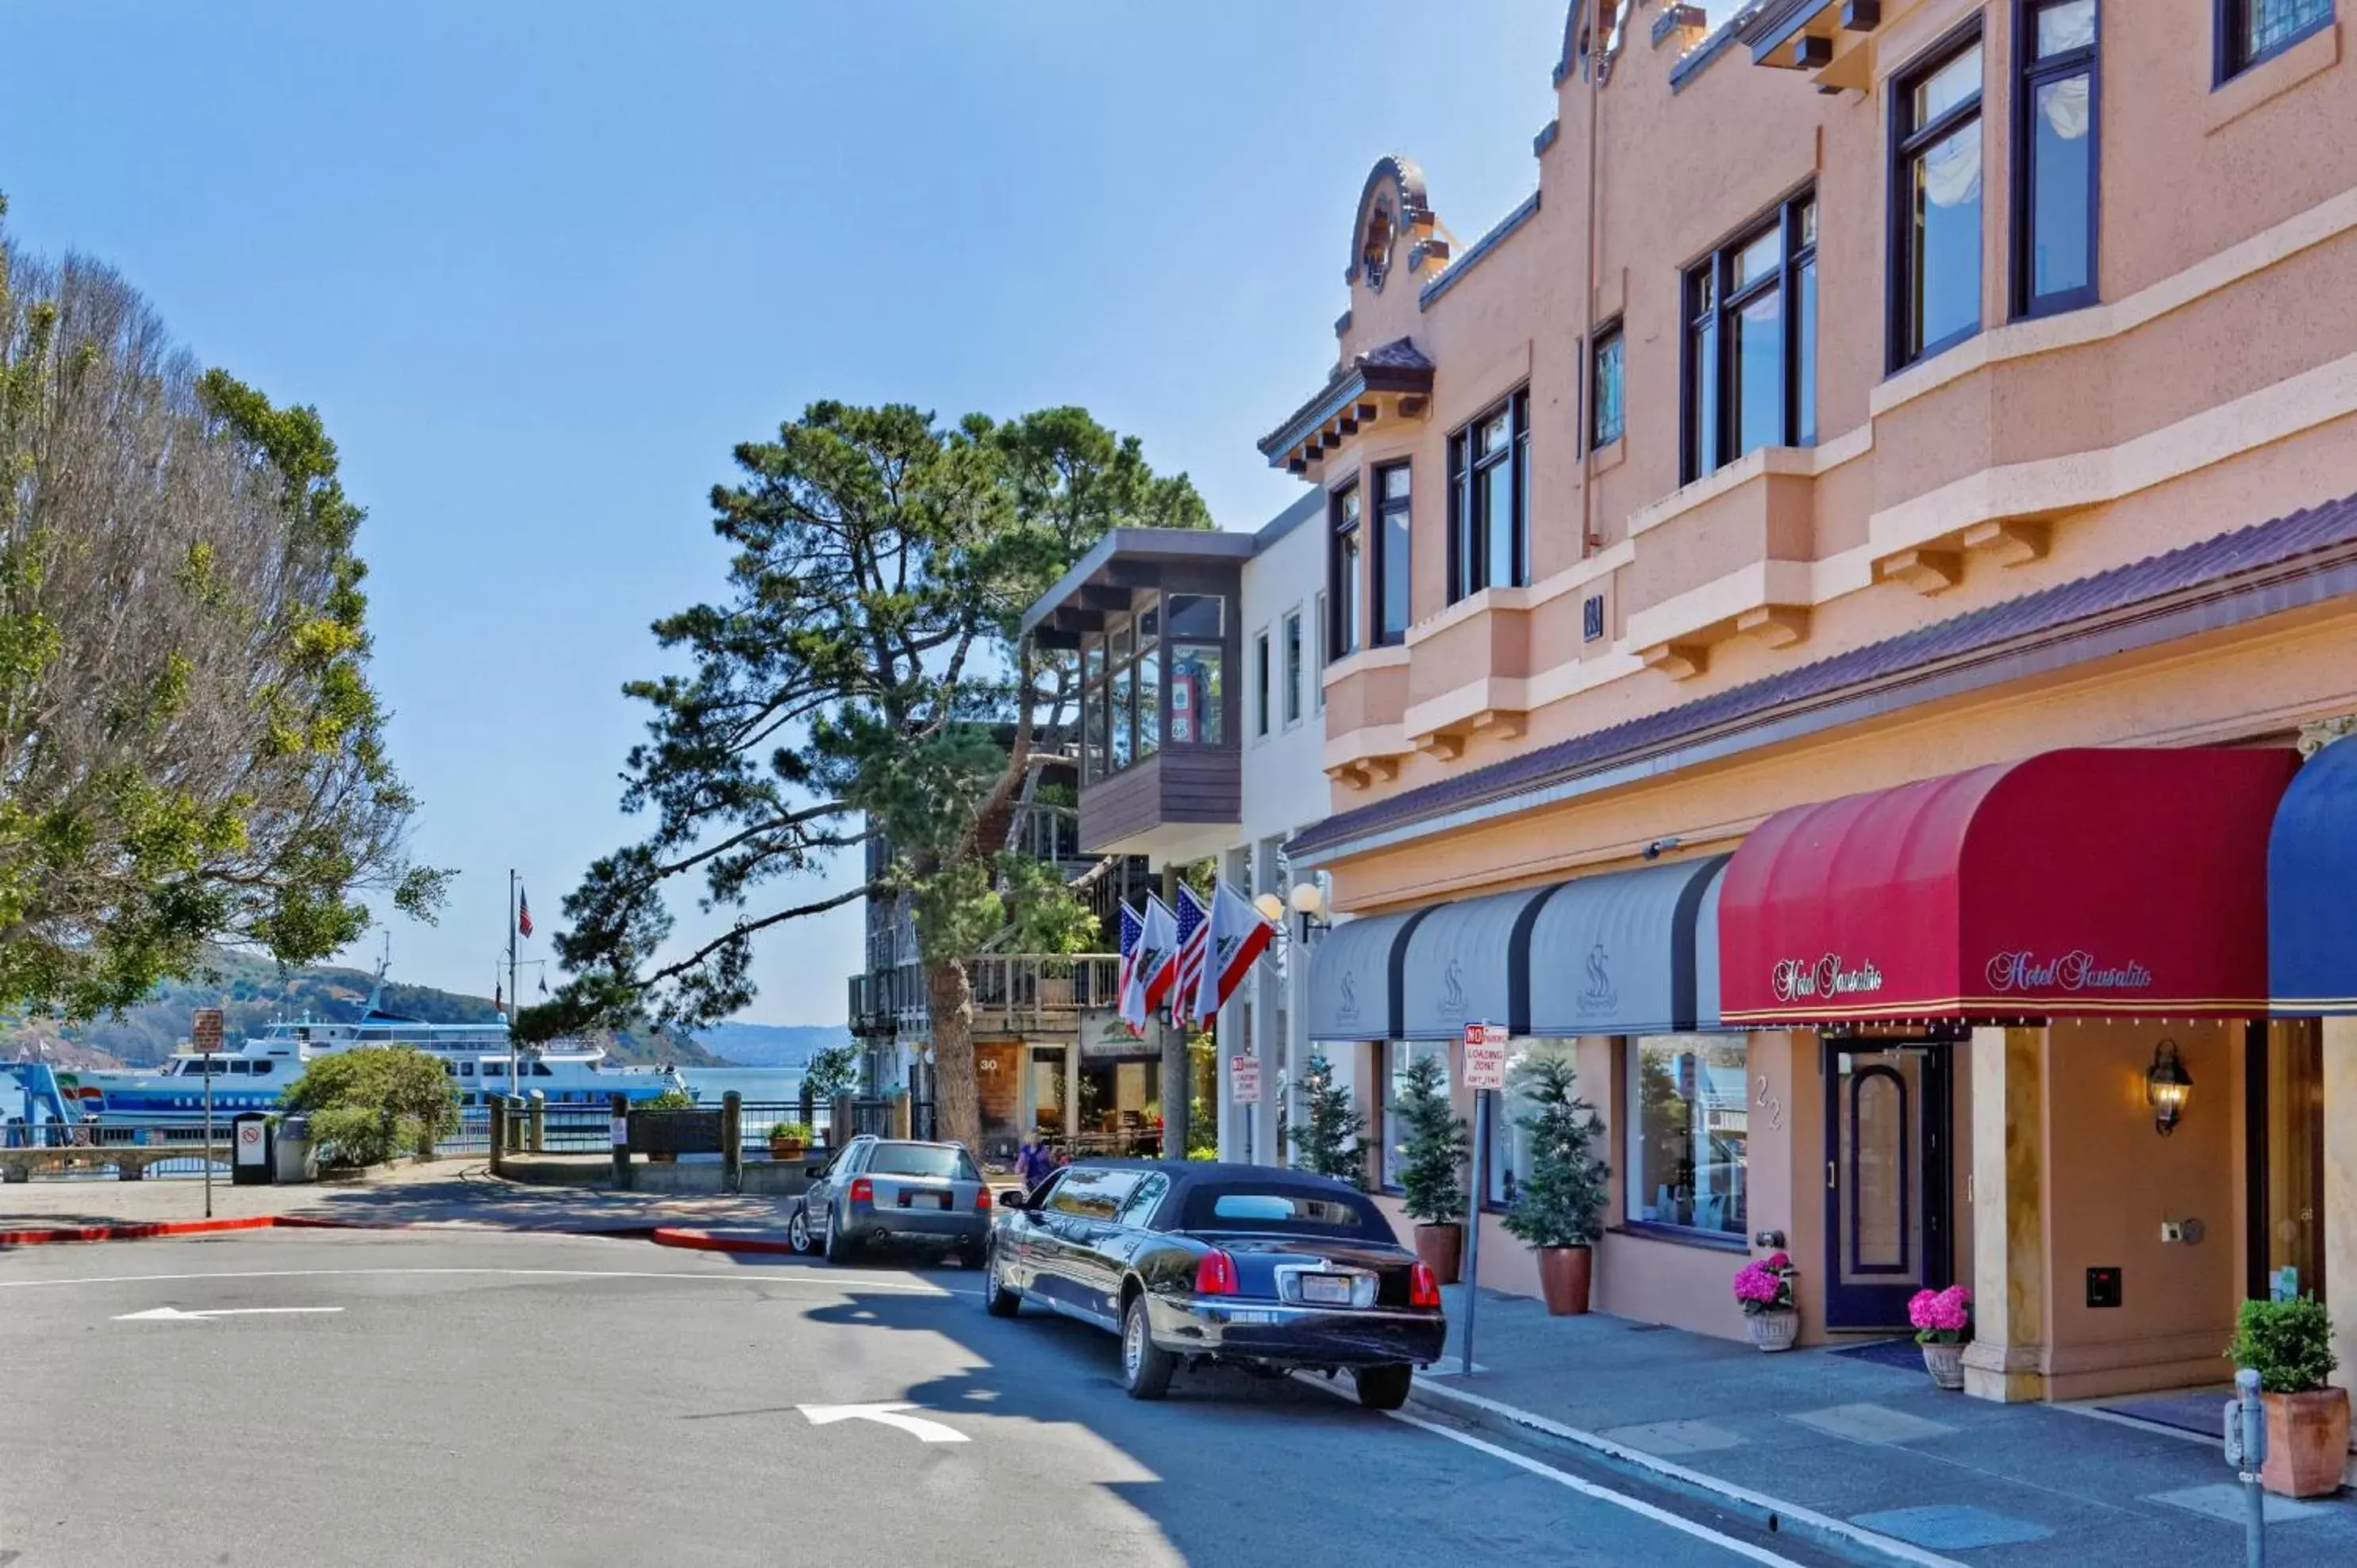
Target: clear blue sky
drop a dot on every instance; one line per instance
(540, 265)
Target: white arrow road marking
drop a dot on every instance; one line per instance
(174, 1315)
(917, 1426)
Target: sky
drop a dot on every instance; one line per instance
(540, 266)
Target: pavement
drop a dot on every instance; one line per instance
(328, 1397)
(1868, 1446)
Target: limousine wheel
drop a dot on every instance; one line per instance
(998, 1298)
(1385, 1386)
(1146, 1367)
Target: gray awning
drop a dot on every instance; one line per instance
(1464, 965)
(1354, 978)
(1635, 952)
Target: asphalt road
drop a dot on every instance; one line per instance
(512, 1400)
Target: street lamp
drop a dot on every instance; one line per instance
(1271, 907)
(2166, 1087)
(1308, 901)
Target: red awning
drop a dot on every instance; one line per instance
(2083, 882)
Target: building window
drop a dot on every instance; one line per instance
(2054, 166)
(1343, 579)
(1292, 668)
(1488, 493)
(1686, 1112)
(1605, 417)
(1393, 559)
(1396, 1056)
(1317, 675)
(1508, 1162)
(1149, 681)
(1199, 694)
(1936, 187)
(1093, 712)
(1750, 361)
(1262, 685)
(2250, 31)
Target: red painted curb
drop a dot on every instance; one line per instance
(706, 1241)
(138, 1232)
(134, 1232)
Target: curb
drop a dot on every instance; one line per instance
(717, 1242)
(148, 1230)
(1772, 1513)
(133, 1232)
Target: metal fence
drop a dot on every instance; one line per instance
(97, 1138)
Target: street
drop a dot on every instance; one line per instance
(408, 1397)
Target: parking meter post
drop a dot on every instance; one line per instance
(617, 1121)
(2254, 1456)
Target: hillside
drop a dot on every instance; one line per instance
(252, 991)
(771, 1045)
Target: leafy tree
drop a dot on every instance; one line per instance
(1435, 1149)
(831, 1071)
(189, 748)
(1328, 1141)
(1561, 1202)
(864, 675)
(369, 1104)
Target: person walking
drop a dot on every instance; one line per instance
(1032, 1163)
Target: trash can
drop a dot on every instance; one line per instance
(250, 1150)
(292, 1156)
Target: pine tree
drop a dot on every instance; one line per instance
(1434, 1148)
(1328, 1142)
(1561, 1204)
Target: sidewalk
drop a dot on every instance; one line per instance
(1872, 1445)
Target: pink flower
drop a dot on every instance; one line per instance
(1941, 1312)
(1765, 1284)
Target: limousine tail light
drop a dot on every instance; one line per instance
(863, 1190)
(1423, 1288)
(1215, 1274)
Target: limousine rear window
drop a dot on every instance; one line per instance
(1231, 1207)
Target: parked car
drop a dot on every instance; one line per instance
(1192, 1262)
(893, 1190)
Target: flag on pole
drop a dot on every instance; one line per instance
(523, 912)
(1133, 927)
(1239, 935)
(1158, 954)
(1194, 944)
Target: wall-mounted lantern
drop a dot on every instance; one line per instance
(2166, 1087)
(1271, 907)
(1309, 900)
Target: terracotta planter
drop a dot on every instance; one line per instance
(1564, 1274)
(2308, 1442)
(1946, 1365)
(1441, 1247)
(785, 1149)
(1772, 1331)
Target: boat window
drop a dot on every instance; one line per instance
(540, 1070)
(466, 1069)
(495, 1069)
(1269, 1205)
(262, 1068)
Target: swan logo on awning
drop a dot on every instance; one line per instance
(1452, 991)
(2075, 971)
(1347, 1009)
(1798, 980)
(1598, 994)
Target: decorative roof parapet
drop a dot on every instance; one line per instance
(1398, 367)
(1481, 247)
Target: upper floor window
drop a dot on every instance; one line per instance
(1606, 418)
(1489, 497)
(2252, 30)
(1342, 575)
(1198, 692)
(1292, 667)
(2054, 175)
(1750, 347)
(1262, 684)
(1936, 185)
(1156, 675)
(1318, 671)
(1394, 558)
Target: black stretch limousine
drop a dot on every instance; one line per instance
(1194, 1262)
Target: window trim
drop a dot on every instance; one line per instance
(2028, 75)
(1903, 144)
(1466, 469)
(1319, 662)
(1344, 597)
(2225, 66)
(1605, 335)
(1782, 217)
(1377, 550)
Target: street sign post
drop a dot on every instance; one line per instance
(1485, 1069)
(205, 1035)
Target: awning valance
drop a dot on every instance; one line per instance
(1466, 964)
(2079, 882)
(1354, 978)
(1626, 954)
(2312, 888)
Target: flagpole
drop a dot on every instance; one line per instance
(513, 1092)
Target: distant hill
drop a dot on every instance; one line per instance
(251, 992)
(771, 1045)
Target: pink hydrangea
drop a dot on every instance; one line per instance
(1765, 1284)
(1941, 1316)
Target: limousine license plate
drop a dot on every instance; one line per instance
(1327, 1288)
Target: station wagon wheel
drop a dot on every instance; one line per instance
(1146, 1367)
(798, 1232)
(998, 1298)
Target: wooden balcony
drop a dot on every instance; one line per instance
(1180, 803)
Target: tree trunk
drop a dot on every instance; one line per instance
(957, 1103)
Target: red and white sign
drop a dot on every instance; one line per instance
(205, 1030)
(1485, 1055)
(1243, 1080)
(249, 1144)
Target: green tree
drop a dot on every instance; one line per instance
(831, 1071)
(189, 748)
(1561, 1202)
(369, 1104)
(1433, 1153)
(865, 675)
(1328, 1141)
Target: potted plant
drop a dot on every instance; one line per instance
(1326, 1142)
(2289, 1345)
(1431, 1152)
(1763, 1288)
(787, 1141)
(1944, 1326)
(1560, 1207)
(669, 1100)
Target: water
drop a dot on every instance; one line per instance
(757, 1084)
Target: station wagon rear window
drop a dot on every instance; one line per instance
(921, 1160)
(1255, 1205)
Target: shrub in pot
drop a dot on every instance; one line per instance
(1431, 1152)
(1763, 1289)
(1944, 1326)
(1560, 1207)
(2289, 1345)
(1326, 1142)
(787, 1140)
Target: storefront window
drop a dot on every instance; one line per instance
(1686, 1132)
(1198, 695)
(1509, 1161)
(1397, 1054)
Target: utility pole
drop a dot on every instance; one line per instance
(1175, 1075)
(512, 999)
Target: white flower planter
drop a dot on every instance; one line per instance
(1772, 1331)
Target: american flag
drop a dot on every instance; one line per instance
(1194, 949)
(524, 913)
(1133, 928)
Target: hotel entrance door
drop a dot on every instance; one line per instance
(1886, 1178)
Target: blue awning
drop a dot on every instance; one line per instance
(1355, 977)
(2312, 889)
(1468, 963)
(1635, 952)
